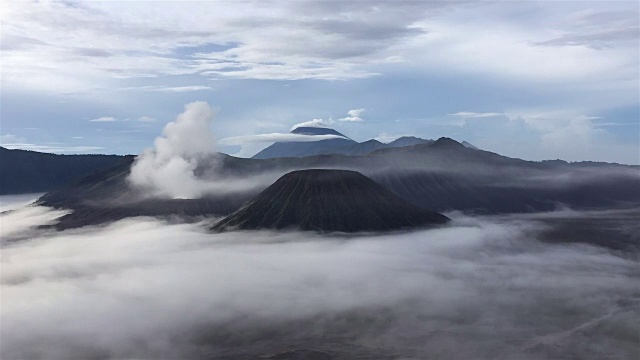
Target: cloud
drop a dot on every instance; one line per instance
(542, 135)
(18, 220)
(469, 114)
(482, 288)
(170, 89)
(146, 119)
(354, 115)
(572, 137)
(11, 141)
(314, 123)
(386, 138)
(598, 30)
(276, 137)
(596, 40)
(8, 139)
(57, 149)
(104, 119)
(428, 38)
(12, 202)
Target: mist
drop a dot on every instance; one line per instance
(482, 288)
(12, 202)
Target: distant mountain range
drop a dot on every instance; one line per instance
(30, 171)
(344, 146)
(27, 171)
(441, 175)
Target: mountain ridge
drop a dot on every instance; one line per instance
(344, 146)
(449, 178)
(301, 149)
(26, 171)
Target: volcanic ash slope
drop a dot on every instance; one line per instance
(328, 201)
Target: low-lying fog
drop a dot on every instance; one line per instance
(483, 288)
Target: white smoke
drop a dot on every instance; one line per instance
(168, 170)
(187, 146)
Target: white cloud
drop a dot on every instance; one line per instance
(353, 115)
(13, 202)
(386, 138)
(586, 47)
(56, 149)
(488, 47)
(170, 89)
(276, 137)
(469, 114)
(104, 119)
(8, 139)
(550, 134)
(17, 223)
(11, 141)
(314, 123)
(146, 119)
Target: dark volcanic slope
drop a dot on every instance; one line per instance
(106, 196)
(327, 201)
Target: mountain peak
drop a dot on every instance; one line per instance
(301, 149)
(308, 130)
(408, 141)
(447, 143)
(327, 201)
(406, 138)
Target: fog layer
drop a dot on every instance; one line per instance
(479, 289)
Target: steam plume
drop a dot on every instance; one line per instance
(168, 170)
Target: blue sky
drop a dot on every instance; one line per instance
(535, 80)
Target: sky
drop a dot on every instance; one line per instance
(534, 80)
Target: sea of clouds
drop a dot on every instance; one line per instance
(482, 288)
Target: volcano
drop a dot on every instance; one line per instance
(328, 201)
